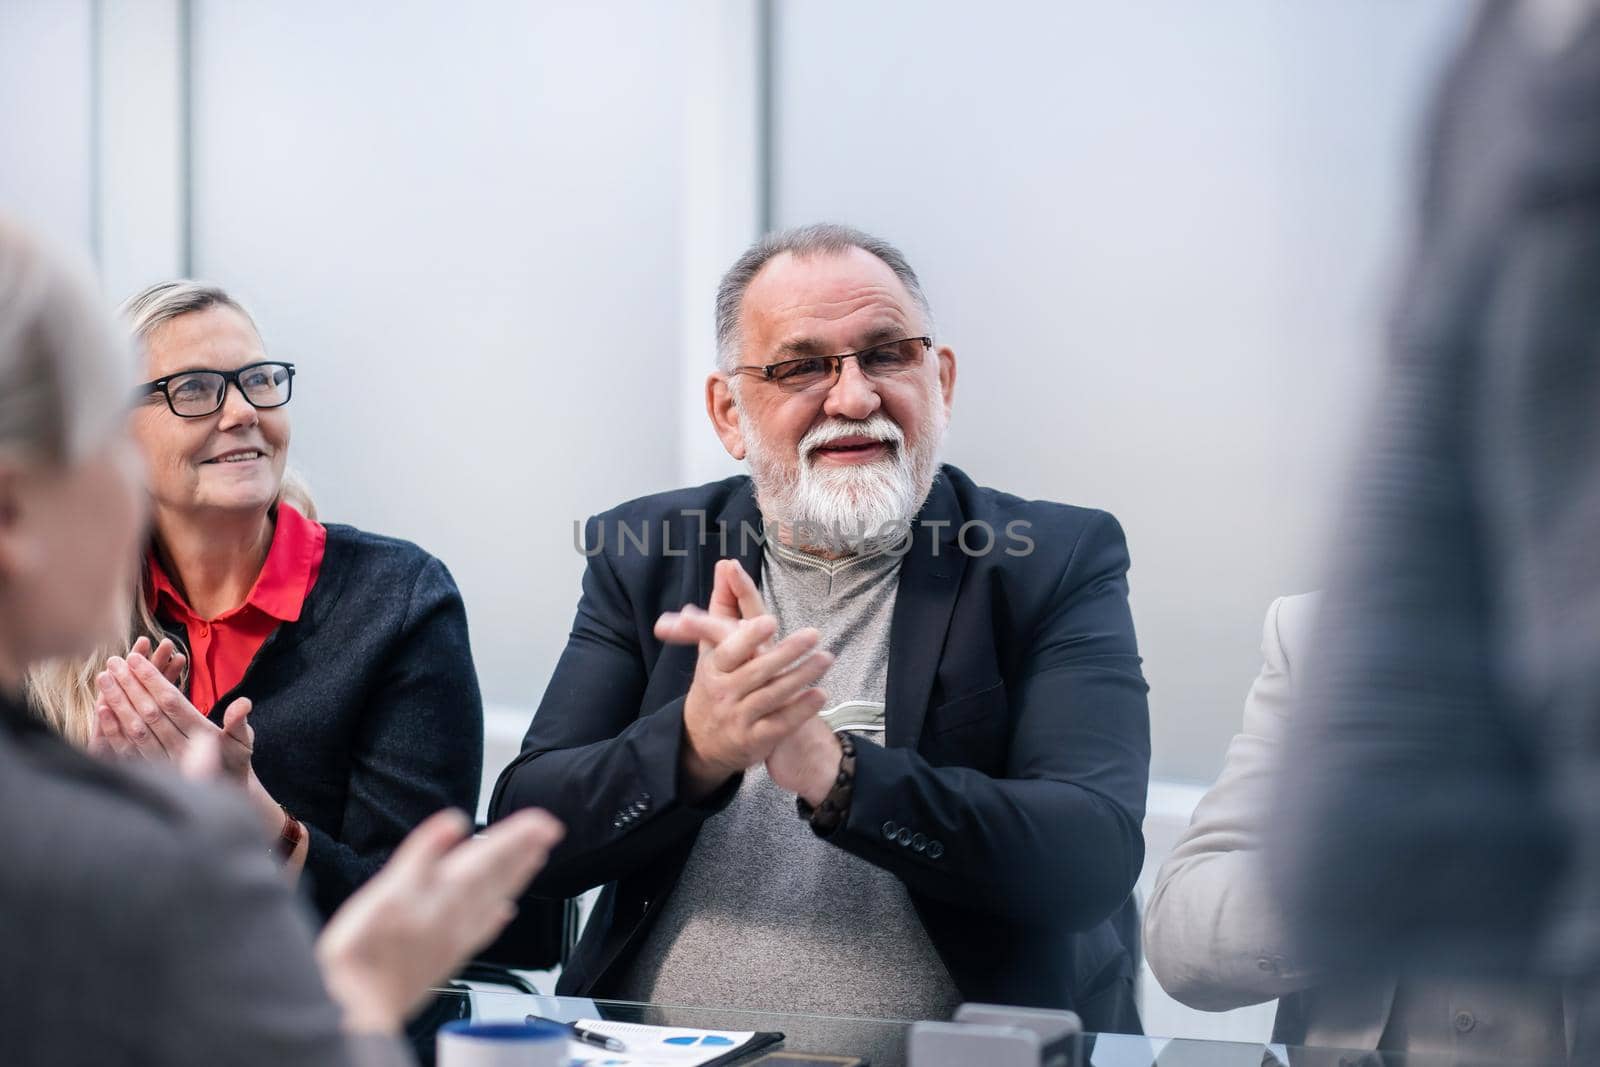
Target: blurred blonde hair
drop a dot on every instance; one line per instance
(62, 388)
(64, 375)
(63, 691)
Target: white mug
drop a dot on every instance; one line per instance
(533, 1044)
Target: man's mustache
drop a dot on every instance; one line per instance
(879, 428)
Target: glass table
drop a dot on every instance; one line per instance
(882, 1042)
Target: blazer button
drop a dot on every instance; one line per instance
(1465, 1022)
(903, 836)
(890, 829)
(918, 842)
(935, 850)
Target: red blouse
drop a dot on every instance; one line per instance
(220, 649)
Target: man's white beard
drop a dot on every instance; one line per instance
(847, 508)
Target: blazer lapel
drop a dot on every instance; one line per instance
(930, 576)
(736, 533)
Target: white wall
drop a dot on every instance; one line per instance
(46, 132)
(1158, 240)
(488, 234)
(140, 190)
(461, 221)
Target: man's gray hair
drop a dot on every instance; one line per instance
(818, 239)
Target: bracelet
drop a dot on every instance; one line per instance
(835, 807)
(289, 837)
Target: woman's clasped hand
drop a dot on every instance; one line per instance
(141, 713)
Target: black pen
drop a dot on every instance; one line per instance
(588, 1037)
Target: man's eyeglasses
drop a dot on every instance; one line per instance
(195, 394)
(812, 372)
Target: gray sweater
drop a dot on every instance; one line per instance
(769, 916)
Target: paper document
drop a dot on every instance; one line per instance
(665, 1046)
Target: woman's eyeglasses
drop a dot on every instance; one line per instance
(812, 372)
(195, 394)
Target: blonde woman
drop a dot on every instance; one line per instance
(333, 664)
(142, 917)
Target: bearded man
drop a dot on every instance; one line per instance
(854, 736)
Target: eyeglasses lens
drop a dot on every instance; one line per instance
(266, 386)
(199, 393)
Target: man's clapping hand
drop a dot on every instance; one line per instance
(752, 700)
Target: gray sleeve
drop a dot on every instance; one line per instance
(237, 979)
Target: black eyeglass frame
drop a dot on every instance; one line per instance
(229, 377)
(769, 371)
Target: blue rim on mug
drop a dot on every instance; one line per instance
(525, 1032)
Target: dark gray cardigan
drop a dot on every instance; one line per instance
(367, 712)
(119, 877)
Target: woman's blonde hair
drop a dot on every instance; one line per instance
(63, 691)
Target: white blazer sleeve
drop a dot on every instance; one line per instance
(1210, 931)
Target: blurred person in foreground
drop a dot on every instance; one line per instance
(143, 917)
(1441, 795)
(940, 679)
(334, 663)
(1216, 938)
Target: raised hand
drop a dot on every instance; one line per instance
(748, 693)
(733, 592)
(166, 658)
(439, 899)
(805, 761)
(141, 713)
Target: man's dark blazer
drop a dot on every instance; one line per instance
(1009, 793)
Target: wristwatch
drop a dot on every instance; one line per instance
(828, 816)
(289, 837)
